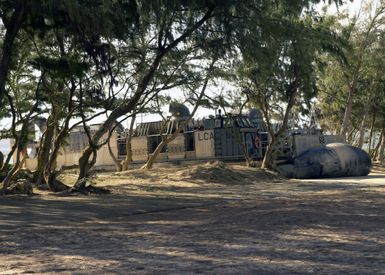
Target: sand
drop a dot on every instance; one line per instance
(201, 219)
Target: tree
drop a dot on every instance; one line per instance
(128, 138)
(348, 89)
(364, 38)
(13, 15)
(21, 139)
(166, 139)
(278, 66)
(20, 97)
(65, 36)
(166, 35)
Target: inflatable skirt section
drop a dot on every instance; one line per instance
(332, 160)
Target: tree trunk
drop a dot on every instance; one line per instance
(269, 158)
(166, 140)
(371, 132)
(84, 166)
(57, 137)
(20, 140)
(20, 143)
(375, 152)
(362, 126)
(150, 163)
(50, 169)
(348, 112)
(4, 166)
(123, 109)
(16, 167)
(1, 159)
(9, 156)
(12, 29)
(128, 157)
(351, 136)
(241, 144)
(248, 161)
(118, 165)
(381, 155)
(355, 76)
(44, 150)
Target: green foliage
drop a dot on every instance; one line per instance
(282, 49)
(361, 72)
(124, 56)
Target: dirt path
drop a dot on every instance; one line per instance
(177, 221)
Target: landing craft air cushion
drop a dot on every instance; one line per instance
(303, 153)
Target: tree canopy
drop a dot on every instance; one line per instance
(72, 61)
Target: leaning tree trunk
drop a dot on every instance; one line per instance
(84, 167)
(1, 159)
(166, 140)
(348, 112)
(351, 136)
(8, 158)
(362, 126)
(44, 151)
(269, 158)
(12, 29)
(152, 157)
(4, 166)
(118, 165)
(371, 132)
(84, 164)
(16, 167)
(238, 137)
(128, 157)
(381, 156)
(243, 146)
(375, 152)
(21, 140)
(50, 172)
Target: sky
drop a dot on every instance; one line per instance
(4, 146)
(352, 7)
